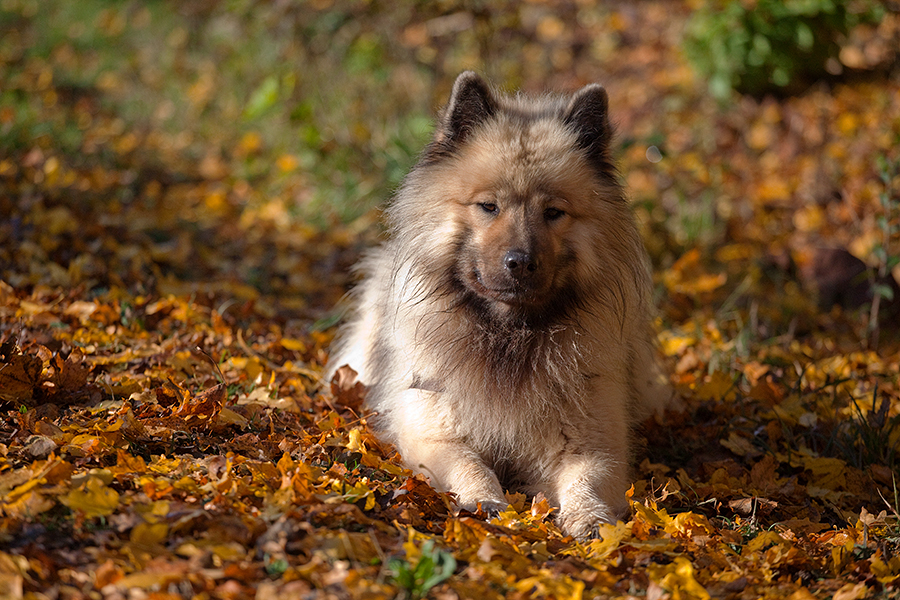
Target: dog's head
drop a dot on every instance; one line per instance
(531, 194)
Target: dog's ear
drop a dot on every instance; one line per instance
(588, 115)
(471, 103)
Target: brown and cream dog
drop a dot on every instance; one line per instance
(504, 327)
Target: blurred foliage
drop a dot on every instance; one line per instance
(285, 89)
(772, 45)
(236, 83)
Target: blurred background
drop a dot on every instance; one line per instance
(240, 148)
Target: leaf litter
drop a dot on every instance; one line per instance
(166, 304)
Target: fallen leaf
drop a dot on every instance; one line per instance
(93, 499)
(19, 376)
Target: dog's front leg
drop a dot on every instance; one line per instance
(454, 467)
(591, 490)
(592, 473)
(428, 441)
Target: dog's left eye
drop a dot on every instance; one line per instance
(551, 214)
(489, 207)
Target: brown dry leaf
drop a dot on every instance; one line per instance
(171, 393)
(74, 374)
(347, 391)
(19, 376)
(800, 527)
(206, 404)
(752, 506)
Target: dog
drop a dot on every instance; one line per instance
(504, 328)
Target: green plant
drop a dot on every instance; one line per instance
(433, 567)
(275, 566)
(870, 435)
(889, 524)
(886, 257)
(770, 45)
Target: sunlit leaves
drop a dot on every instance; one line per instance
(236, 456)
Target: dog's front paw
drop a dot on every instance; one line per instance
(492, 510)
(583, 523)
(488, 509)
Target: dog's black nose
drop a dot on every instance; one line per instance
(519, 263)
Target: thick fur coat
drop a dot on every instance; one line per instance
(503, 329)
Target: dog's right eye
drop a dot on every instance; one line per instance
(489, 207)
(552, 214)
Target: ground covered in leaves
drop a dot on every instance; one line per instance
(183, 188)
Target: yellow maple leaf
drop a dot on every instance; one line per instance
(656, 518)
(719, 387)
(149, 534)
(678, 579)
(356, 492)
(26, 505)
(610, 537)
(94, 499)
(550, 584)
(886, 571)
(354, 441)
(764, 539)
(688, 524)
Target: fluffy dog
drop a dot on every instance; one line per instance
(504, 328)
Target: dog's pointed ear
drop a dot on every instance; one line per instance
(471, 103)
(588, 115)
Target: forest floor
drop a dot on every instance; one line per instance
(184, 187)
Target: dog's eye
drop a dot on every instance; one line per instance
(489, 207)
(552, 214)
